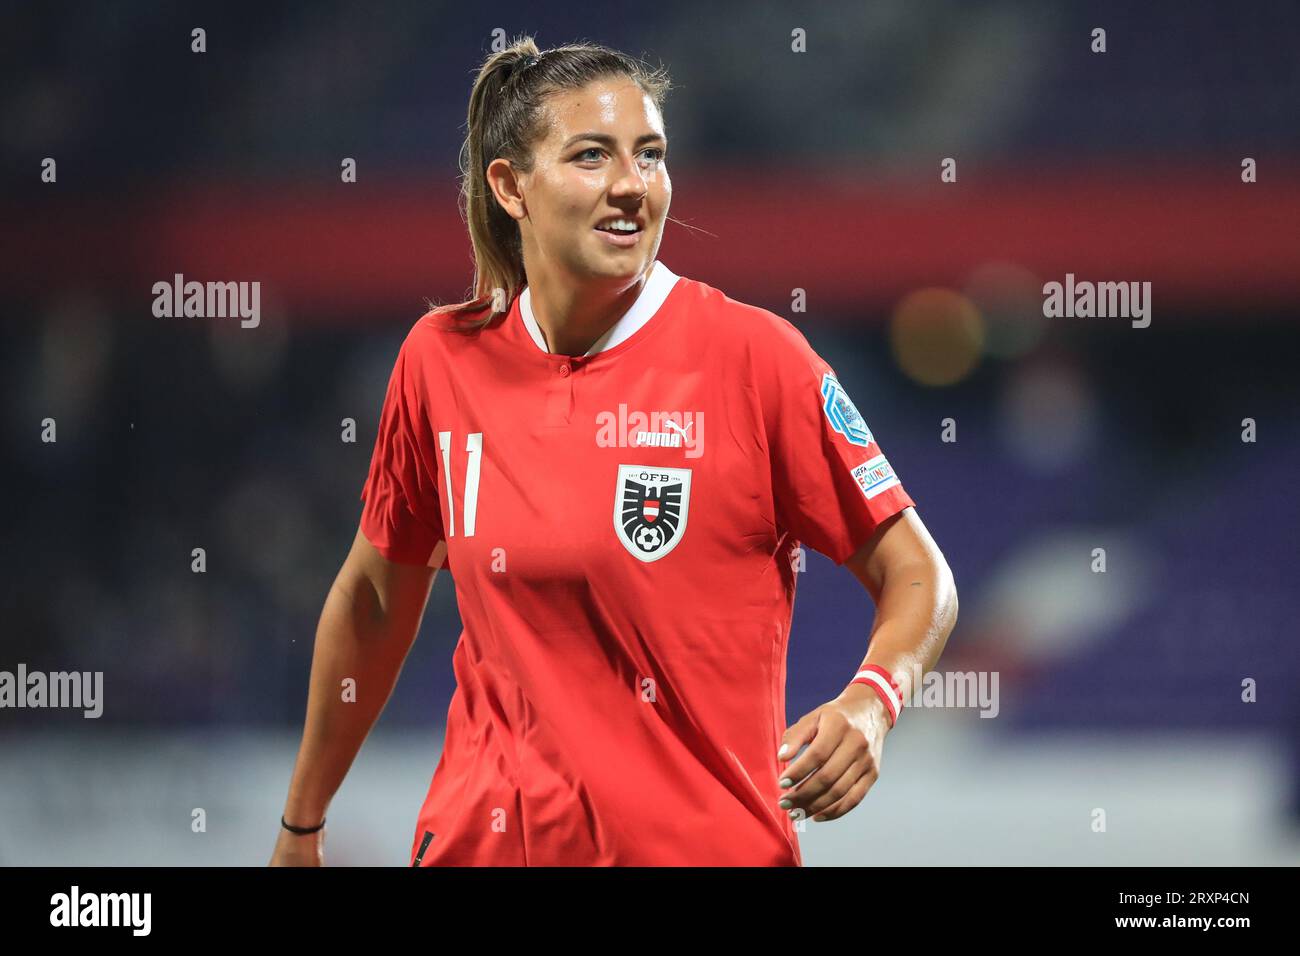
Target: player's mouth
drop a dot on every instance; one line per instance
(621, 231)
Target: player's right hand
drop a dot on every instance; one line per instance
(295, 849)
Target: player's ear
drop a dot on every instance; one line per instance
(506, 188)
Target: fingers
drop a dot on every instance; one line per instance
(824, 727)
(799, 733)
(851, 799)
(804, 731)
(834, 773)
(832, 780)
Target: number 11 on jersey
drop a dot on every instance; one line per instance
(474, 446)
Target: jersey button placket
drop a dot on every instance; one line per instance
(559, 400)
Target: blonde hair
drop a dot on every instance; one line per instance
(505, 120)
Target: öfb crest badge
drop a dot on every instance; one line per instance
(651, 504)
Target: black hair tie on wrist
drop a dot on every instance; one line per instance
(293, 829)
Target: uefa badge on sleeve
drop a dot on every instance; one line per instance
(650, 508)
(842, 413)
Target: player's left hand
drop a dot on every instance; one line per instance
(845, 740)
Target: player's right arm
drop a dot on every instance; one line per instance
(368, 624)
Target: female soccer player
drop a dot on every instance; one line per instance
(618, 466)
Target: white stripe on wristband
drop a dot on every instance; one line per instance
(882, 682)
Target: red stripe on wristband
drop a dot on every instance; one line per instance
(883, 683)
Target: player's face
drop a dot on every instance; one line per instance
(602, 157)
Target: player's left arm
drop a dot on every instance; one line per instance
(916, 608)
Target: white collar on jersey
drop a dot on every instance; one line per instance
(653, 294)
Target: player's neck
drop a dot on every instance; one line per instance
(572, 317)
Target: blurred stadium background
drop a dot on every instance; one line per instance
(817, 171)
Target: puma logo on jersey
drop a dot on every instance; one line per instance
(660, 429)
(673, 439)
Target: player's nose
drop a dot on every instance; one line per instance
(630, 183)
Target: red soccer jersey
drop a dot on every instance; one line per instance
(620, 528)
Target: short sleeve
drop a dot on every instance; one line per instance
(832, 485)
(401, 515)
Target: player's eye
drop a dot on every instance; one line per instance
(658, 153)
